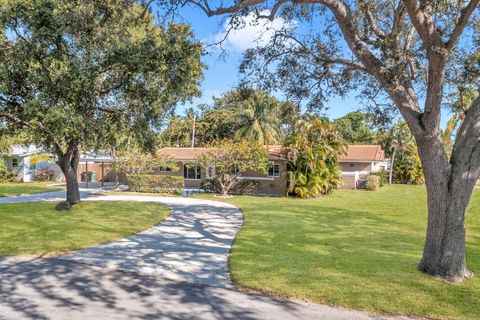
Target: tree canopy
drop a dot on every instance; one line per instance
(75, 75)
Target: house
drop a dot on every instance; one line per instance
(361, 161)
(25, 160)
(271, 183)
(20, 159)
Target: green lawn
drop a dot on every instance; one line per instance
(37, 228)
(356, 249)
(15, 189)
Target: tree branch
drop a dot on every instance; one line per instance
(461, 23)
(423, 24)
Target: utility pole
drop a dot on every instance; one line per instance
(193, 130)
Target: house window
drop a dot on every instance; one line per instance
(193, 173)
(165, 169)
(234, 171)
(32, 166)
(14, 163)
(274, 170)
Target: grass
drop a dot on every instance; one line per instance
(355, 249)
(37, 228)
(15, 189)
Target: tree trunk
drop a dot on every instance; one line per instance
(448, 192)
(68, 163)
(392, 163)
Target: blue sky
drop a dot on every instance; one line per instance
(222, 74)
(222, 71)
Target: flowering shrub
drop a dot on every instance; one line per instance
(44, 174)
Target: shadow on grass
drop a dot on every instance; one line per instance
(346, 257)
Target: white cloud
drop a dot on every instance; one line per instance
(253, 32)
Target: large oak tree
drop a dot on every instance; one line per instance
(79, 74)
(401, 48)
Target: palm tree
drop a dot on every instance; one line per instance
(401, 137)
(314, 151)
(460, 107)
(259, 119)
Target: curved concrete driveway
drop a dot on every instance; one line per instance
(175, 270)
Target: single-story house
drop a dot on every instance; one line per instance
(356, 165)
(271, 183)
(360, 161)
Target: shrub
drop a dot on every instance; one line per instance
(155, 183)
(5, 174)
(246, 187)
(210, 186)
(44, 174)
(372, 183)
(383, 175)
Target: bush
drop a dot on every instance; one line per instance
(372, 183)
(246, 187)
(5, 174)
(44, 174)
(383, 175)
(210, 186)
(155, 183)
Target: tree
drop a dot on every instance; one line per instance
(408, 168)
(314, 150)
(355, 129)
(76, 74)
(401, 137)
(230, 159)
(259, 119)
(397, 50)
(241, 112)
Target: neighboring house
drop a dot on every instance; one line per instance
(19, 160)
(360, 161)
(271, 183)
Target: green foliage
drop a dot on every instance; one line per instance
(314, 152)
(238, 113)
(244, 187)
(155, 183)
(373, 183)
(383, 176)
(232, 158)
(5, 174)
(210, 186)
(259, 119)
(408, 168)
(354, 128)
(83, 72)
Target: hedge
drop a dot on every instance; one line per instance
(155, 183)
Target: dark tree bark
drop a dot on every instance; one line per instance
(68, 162)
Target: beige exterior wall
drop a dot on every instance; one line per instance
(269, 185)
(348, 182)
(355, 166)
